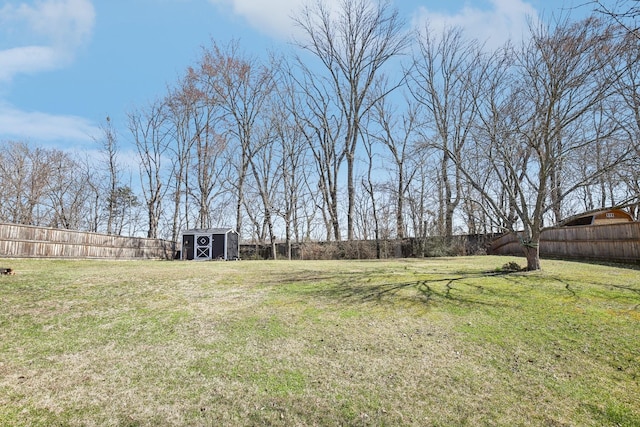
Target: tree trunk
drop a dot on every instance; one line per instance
(240, 198)
(400, 204)
(152, 233)
(351, 196)
(532, 253)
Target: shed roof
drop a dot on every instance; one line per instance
(222, 230)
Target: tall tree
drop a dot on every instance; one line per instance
(627, 114)
(210, 145)
(264, 166)
(442, 81)
(352, 45)
(109, 148)
(240, 86)
(533, 117)
(397, 131)
(369, 185)
(182, 108)
(322, 130)
(293, 152)
(150, 135)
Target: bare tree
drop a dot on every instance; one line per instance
(181, 110)
(627, 114)
(68, 193)
(352, 46)
(108, 146)
(369, 185)
(264, 165)
(150, 135)
(253, 208)
(240, 86)
(24, 174)
(623, 12)
(209, 160)
(291, 155)
(19, 169)
(442, 81)
(420, 198)
(397, 131)
(531, 111)
(46, 187)
(322, 131)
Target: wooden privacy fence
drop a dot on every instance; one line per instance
(24, 241)
(432, 246)
(610, 242)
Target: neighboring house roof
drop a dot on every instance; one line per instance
(600, 216)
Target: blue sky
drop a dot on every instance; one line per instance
(67, 64)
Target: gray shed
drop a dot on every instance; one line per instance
(210, 243)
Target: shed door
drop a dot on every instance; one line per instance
(232, 246)
(203, 246)
(188, 244)
(218, 246)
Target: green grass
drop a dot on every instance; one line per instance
(437, 342)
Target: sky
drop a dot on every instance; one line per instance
(65, 65)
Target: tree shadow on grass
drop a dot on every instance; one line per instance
(456, 288)
(462, 288)
(567, 286)
(574, 289)
(635, 291)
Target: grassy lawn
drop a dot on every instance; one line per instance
(437, 342)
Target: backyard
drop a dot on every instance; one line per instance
(414, 342)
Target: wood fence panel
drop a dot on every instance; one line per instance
(607, 242)
(24, 241)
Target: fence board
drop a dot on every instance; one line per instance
(25, 241)
(607, 242)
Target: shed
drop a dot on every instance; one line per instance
(599, 217)
(210, 243)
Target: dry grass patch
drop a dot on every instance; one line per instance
(403, 342)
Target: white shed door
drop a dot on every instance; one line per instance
(203, 246)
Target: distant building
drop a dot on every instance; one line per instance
(599, 217)
(210, 243)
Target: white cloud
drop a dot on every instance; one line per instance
(36, 37)
(273, 17)
(44, 35)
(22, 125)
(28, 60)
(507, 20)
